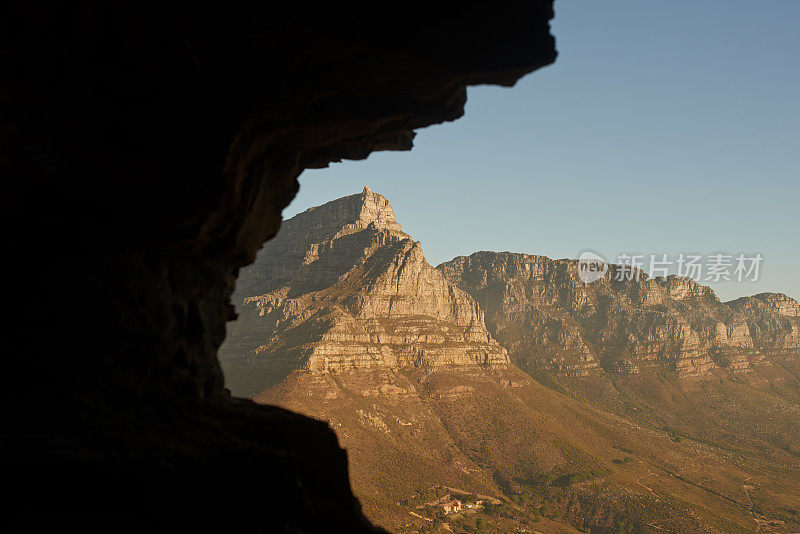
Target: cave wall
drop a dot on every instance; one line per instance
(147, 152)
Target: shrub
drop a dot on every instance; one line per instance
(493, 510)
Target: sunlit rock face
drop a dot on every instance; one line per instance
(343, 287)
(515, 285)
(549, 320)
(774, 321)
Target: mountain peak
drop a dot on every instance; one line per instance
(342, 287)
(346, 215)
(303, 238)
(375, 209)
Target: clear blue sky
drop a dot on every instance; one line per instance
(663, 127)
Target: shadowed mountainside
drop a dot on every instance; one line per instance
(149, 149)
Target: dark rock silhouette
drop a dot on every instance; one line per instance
(147, 152)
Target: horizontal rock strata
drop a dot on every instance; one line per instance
(343, 287)
(549, 320)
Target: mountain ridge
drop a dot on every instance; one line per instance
(603, 406)
(698, 332)
(352, 292)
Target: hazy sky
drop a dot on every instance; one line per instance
(662, 128)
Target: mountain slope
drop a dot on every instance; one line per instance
(343, 287)
(663, 353)
(630, 425)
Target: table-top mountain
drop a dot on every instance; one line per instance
(343, 287)
(642, 404)
(549, 320)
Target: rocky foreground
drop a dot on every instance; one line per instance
(646, 404)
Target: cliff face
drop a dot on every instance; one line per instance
(343, 287)
(549, 320)
(342, 319)
(774, 322)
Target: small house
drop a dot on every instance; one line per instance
(451, 506)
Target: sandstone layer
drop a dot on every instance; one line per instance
(342, 287)
(774, 322)
(549, 320)
(341, 318)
